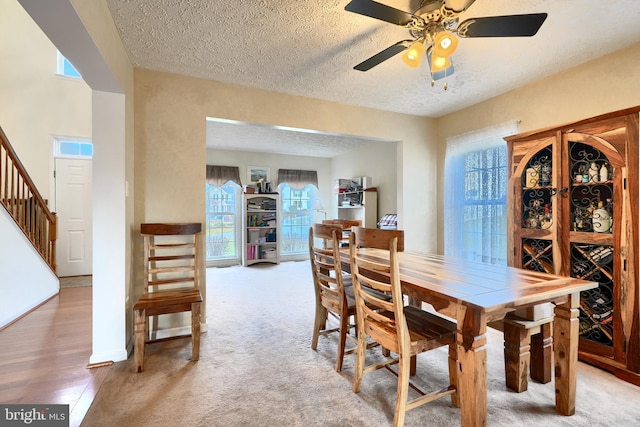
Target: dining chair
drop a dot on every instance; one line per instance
(328, 283)
(404, 330)
(346, 225)
(171, 281)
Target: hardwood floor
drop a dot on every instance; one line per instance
(44, 356)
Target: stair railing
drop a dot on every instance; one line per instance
(23, 202)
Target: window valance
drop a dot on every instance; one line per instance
(297, 178)
(220, 175)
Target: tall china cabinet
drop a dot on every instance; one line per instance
(573, 211)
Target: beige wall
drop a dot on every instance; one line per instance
(170, 112)
(606, 84)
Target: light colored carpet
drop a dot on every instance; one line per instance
(256, 368)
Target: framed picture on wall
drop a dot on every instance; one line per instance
(255, 173)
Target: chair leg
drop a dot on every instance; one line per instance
(516, 357)
(542, 354)
(360, 358)
(404, 365)
(344, 328)
(140, 332)
(195, 331)
(453, 373)
(319, 324)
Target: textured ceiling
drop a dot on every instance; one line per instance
(309, 48)
(232, 135)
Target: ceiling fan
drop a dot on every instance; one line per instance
(435, 29)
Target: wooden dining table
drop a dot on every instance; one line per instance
(475, 294)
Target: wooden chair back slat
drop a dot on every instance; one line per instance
(378, 238)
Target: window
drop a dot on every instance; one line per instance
(65, 68)
(476, 195)
(223, 214)
(64, 147)
(296, 218)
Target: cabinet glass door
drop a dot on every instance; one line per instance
(591, 200)
(537, 212)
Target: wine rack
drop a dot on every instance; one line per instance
(595, 262)
(537, 255)
(573, 211)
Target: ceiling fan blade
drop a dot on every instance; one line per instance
(380, 11)
(383, 55)
(502, 26)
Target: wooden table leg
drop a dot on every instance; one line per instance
(516, 357)
(542, 354)
(566, 336)
(472, 367)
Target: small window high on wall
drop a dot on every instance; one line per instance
(68, 147)
(66, 68)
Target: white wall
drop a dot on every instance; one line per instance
(377, 160)
(26, 280)
(110, 299)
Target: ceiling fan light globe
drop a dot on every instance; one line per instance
(413, 56)
(439, 63)
(445, 44)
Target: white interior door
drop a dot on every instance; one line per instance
(73, 207)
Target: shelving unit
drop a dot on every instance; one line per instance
(261, 228)
(573, 209)
(357, 202)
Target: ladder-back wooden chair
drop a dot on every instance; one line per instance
(331, 298)
(346, 225)
(171, 281)
(404, 330)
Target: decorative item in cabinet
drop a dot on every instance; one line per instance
(261, 220)
(537, 191)
(591, 189)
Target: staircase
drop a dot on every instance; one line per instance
(21, 199)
